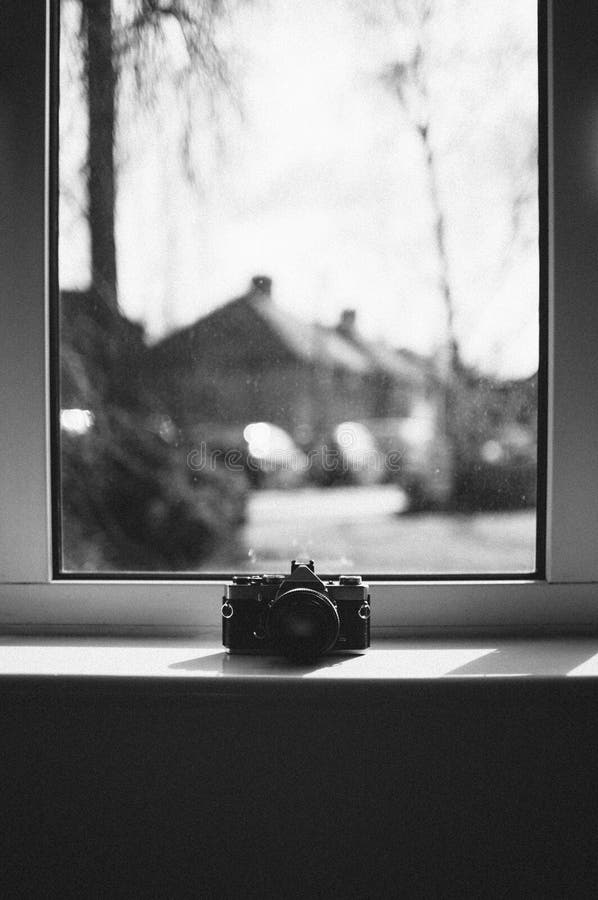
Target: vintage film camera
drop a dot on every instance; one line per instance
(298, 615)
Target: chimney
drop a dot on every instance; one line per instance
(346, 325)
(261, 284)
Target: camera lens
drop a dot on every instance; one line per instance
(302, 624)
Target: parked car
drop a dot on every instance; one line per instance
(273, 459)
(264, 453)
(346, 453)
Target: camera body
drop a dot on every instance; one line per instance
(297, 615)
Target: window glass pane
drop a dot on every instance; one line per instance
(298, 265)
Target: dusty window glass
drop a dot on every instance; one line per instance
(298, 285)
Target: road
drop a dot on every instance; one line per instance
(360, 529)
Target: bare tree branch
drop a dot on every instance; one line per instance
(409, 80)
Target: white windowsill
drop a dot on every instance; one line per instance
(204, 664)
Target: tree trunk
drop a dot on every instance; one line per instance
(101, 87)
(452, 366)
(454, 356)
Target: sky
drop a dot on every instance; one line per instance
(316, 177)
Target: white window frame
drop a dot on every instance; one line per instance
(31, 600)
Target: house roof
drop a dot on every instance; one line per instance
(252, 322)
(253, 326)
(308, 341)
(399, 364)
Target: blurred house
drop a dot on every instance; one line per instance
(250, 360)
(396, 380)
(97, 346)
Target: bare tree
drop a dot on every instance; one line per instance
(409, 81)
(113, 44)
(128, 499)
(413, 80)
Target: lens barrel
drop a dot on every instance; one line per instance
(302, 624)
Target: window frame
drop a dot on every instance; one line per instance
(32, 600)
